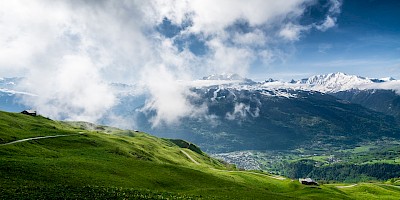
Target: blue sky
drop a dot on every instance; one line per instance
(365, 40)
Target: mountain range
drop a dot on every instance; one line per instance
(322, 111)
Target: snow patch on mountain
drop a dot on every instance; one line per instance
(328, 83)
(224, 76)
(278, 93)
(335, 82)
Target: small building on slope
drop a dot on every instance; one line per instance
(307, 181)
(29, 112)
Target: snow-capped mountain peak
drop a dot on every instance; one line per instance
(224, 77)
(328, 83)
(334, 82)
(334, 78)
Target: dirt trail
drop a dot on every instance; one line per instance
(346, 186)
(247, 172)
(190, 157)
(396, 186)
(270, 176)
(37, 138)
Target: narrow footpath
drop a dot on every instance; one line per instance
(37, 138)
(190, 157)
(346, 186)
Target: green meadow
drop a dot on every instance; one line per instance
(97, 162)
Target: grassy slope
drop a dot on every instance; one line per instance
(127, 164)
(15, 126)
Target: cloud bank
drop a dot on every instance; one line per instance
(69, 51)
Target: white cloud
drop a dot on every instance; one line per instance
(234, 50)
(229, 59)
(211, 16)
(72, 90)
(241, 111)
(26, 31)
(335, 6)
(267, 56)
(68, 54)
(69, 50)
(169, 98)
(255, 38)
(292, 32)
(331, 18)
(327, 24)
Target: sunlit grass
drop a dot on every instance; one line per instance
(126, 164)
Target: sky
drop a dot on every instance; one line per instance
(364, 41)
(69, 50)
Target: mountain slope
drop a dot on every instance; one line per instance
(384, 101)
(277, 120)
(127, 164)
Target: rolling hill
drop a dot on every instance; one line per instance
(86, 161)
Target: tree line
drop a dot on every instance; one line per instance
(341, 172)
